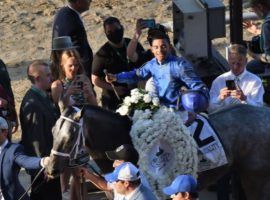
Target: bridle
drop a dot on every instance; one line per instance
(80, 141)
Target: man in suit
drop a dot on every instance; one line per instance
(12, 158)
(68, 22)
(38, 115)
(127, 181)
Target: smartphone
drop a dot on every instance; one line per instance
(150, 23)
(230, 84)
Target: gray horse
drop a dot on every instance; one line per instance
(244, 131)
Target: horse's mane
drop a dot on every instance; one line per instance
(101, 110)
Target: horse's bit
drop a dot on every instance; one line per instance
(76, 146)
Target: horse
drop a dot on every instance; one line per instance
(243, 131)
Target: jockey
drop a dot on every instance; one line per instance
(170, 73)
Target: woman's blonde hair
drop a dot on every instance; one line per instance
(71, 53)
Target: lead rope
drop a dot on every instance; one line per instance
(82, 181)
(25, 193)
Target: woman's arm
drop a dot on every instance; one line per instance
(57, 90)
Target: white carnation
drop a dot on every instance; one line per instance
(155, 101)
(127, 101)
(134, 99)
(134, 92)
(123, 110)
(147, 98)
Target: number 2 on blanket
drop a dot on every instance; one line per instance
(197, 133)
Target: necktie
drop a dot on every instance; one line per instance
(237, 82)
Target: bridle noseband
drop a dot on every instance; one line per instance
(77, 145)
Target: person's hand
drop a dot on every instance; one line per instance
(140, 24)
(3, 103)
(15, 126)
(121, 90)
(110, 78)
(87, 89)
(224, 93)
(72, 89)
(44, 161)
(238, 94)
(251, 27)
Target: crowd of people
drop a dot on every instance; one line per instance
(116, 68)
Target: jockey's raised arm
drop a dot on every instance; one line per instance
(169, 73)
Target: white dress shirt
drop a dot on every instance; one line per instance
(249, 83)
(118, 196)
(128, 196)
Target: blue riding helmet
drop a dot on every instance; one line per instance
(194, 101)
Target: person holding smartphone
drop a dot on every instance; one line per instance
(153, 29)
(238, 85)
(235, 87)
(72, 87)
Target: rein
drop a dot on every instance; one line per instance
(80, 137)
(25, 193)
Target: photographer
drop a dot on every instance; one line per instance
(259, 47)
(235, 87)
(246, 87)
(153, 29)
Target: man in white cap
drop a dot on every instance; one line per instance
(127, 181)
(184, 187)
(122, 154)
(12, 158)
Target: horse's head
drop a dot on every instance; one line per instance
(68, 138)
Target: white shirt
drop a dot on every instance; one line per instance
(118, 196)
(1, 148)
(127, 197)
(250, 84)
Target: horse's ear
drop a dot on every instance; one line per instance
(78, 115)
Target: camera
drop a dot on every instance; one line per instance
(150, 23)
(230, 84)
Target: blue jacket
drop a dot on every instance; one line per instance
(12, 158)
(168, 77)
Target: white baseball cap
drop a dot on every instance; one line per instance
(3, 123)
(124, 172)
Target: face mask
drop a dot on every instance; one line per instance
(116, 36)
